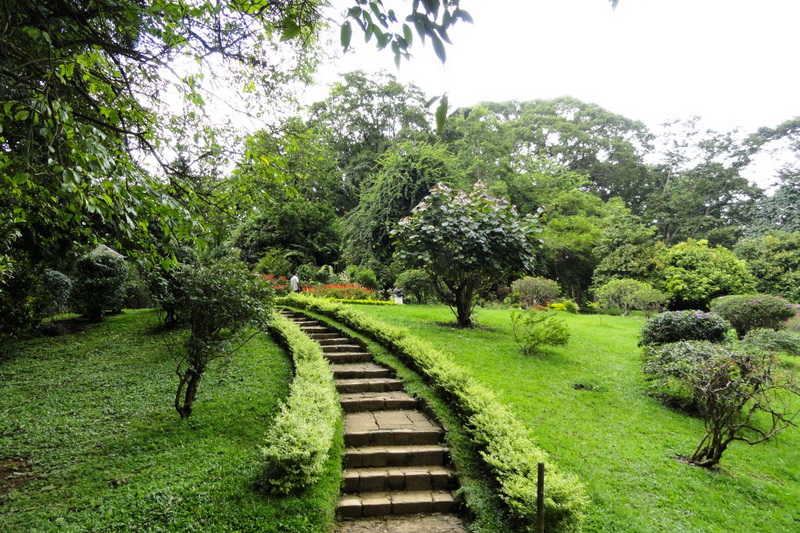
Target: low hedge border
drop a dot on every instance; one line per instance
(506, 448)
(301, 436)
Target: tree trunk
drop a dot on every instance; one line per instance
(189, 381)
(464, 306)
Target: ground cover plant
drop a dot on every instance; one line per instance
(587, 406)
(91, 416)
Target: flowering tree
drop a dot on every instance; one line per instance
(465, 242)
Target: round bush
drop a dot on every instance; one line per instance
(535, 291)
(101, 283)
(675, 326)
(751, 311)
(366, 278)
(786, 341)
(416, 283)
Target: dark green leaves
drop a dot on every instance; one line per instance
(431, 19)
(347, 33)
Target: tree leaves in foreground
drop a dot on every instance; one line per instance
(466, 242)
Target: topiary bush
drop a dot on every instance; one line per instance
(535, 291)
(774, 340)
(750, 311)
(100, 283)
(675, 326)
(534, 329)
(59, 287)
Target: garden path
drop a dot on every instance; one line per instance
(396, 466)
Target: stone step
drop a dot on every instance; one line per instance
(333, 348)
(388, 503)
(377, 401)
(348, 357)
(345, 386)
(325, 335)
(326, 341)
(314, 329)
(360, 371)
(390, 428)
(409, 478)
(383, 456)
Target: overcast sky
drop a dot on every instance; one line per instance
(733, 62)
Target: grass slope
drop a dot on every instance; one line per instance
(109, 452)
(585, 404)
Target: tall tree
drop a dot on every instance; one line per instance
(405, 175)
(573, 228)
(774, 260)
(362, 117)
(698, 191)
(627, 250)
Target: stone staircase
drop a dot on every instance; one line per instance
(394, 460)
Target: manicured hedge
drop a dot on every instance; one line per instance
(751, 311)
(300, 439)
(507, 449)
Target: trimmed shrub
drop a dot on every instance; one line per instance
(534, 329)
(675, 326)
(564, 304)
(746, 312)
(535, 291)
(508, 450)
(59, 287)
(774, 340)
(100, 283)
(417, 284)
(300, 438)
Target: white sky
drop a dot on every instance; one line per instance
(732, 62)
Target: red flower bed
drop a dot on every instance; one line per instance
(343, 291)
(279, 285)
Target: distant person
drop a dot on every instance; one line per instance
(294, 283)
(398, 295)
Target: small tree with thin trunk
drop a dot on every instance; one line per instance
(740, 392)
(220, 302)
(466, 243)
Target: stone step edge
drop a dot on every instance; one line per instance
(387, 456)
(395, 478)
(386, 503)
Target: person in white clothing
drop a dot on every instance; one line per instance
(294, 283)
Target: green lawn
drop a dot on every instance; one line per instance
(585, 404)
(92, 414)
